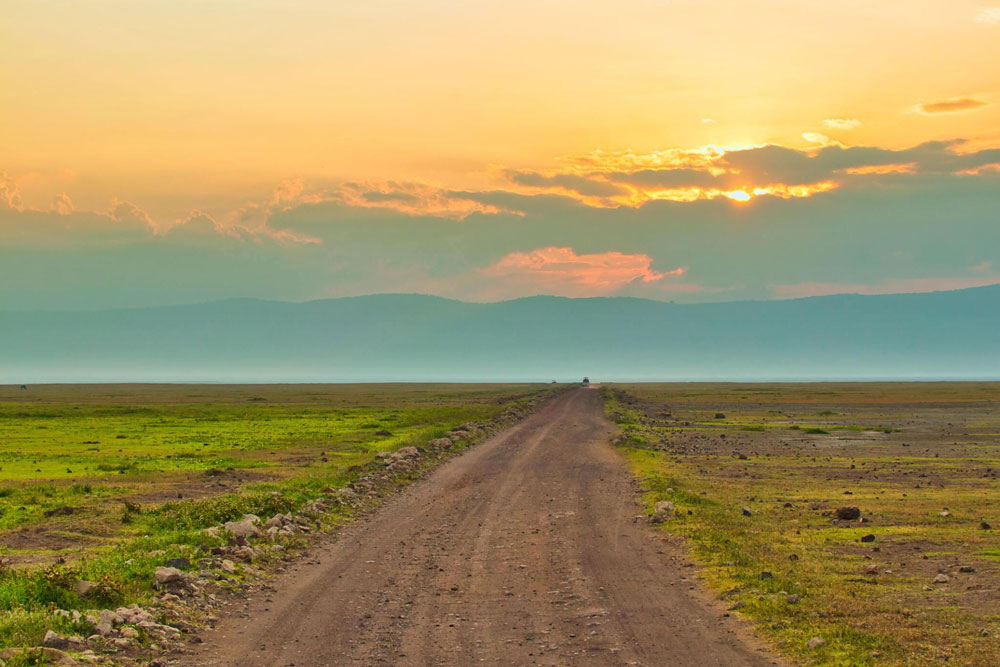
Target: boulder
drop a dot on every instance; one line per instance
(245, 527)
(168, 575)
(662, 511)
(848, 513)
(53, 640)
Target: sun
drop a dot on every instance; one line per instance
(739, 195)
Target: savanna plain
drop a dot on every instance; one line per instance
(848, 524)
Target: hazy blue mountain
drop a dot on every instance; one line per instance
(412, 337)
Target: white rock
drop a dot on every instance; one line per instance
(244, 528)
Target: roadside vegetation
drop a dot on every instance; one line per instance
(854, 524)
(103, 484)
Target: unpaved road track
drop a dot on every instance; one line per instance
(522, 551)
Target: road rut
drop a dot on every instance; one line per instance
(522, 551)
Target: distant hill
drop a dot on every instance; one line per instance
(412, 337)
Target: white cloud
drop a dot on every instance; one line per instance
(989, 15)
(816, 138)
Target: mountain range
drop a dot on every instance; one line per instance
(407, 337)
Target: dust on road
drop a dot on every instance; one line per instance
(523, 551)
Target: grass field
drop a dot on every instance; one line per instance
(94, 479)
(756, 474)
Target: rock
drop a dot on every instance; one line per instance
(720, 415)
(944, 514)
(942, 579)
(109, 617)
(966, 569)
(871, 569)
(228, 566)
(53, 640)
(868, 538)
(662, 511)
(792, 599)
(848, 513)
(408, 452)
(245, 527)
(985, 526)
(83, 587)
(129, 633)
(766, 575)
(168, 575)
(178, 563)
(816, 642)
(274, 522)
(746, 511)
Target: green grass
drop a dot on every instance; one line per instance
(102, 467)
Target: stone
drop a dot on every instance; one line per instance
(944, 514)
(662, 511)
(178, 563)
(83, 587)
(109, 617)
(408, 452)
(766, 575)
(53, 640)
(871, 569)
(985, 526)
(746, 511)
(966, 569)
(245, 527)
(942, 579)
(792, 599)
(848, 513)
(228, 566)
(168, 575)
(816, 642)
(868, 538)
(129, 633)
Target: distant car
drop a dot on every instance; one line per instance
(586, 381)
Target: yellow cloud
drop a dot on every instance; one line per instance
(952, 105)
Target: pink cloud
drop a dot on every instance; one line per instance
(894, 286)
(560, 270)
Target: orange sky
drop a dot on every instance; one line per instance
(190, 105)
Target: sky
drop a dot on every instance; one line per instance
(157, 152)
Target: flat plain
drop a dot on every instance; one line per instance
(758, 472)
(843, 524)
(94, 478)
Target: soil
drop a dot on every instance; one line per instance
(529, 549)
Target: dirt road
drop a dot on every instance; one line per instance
(522, 551)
